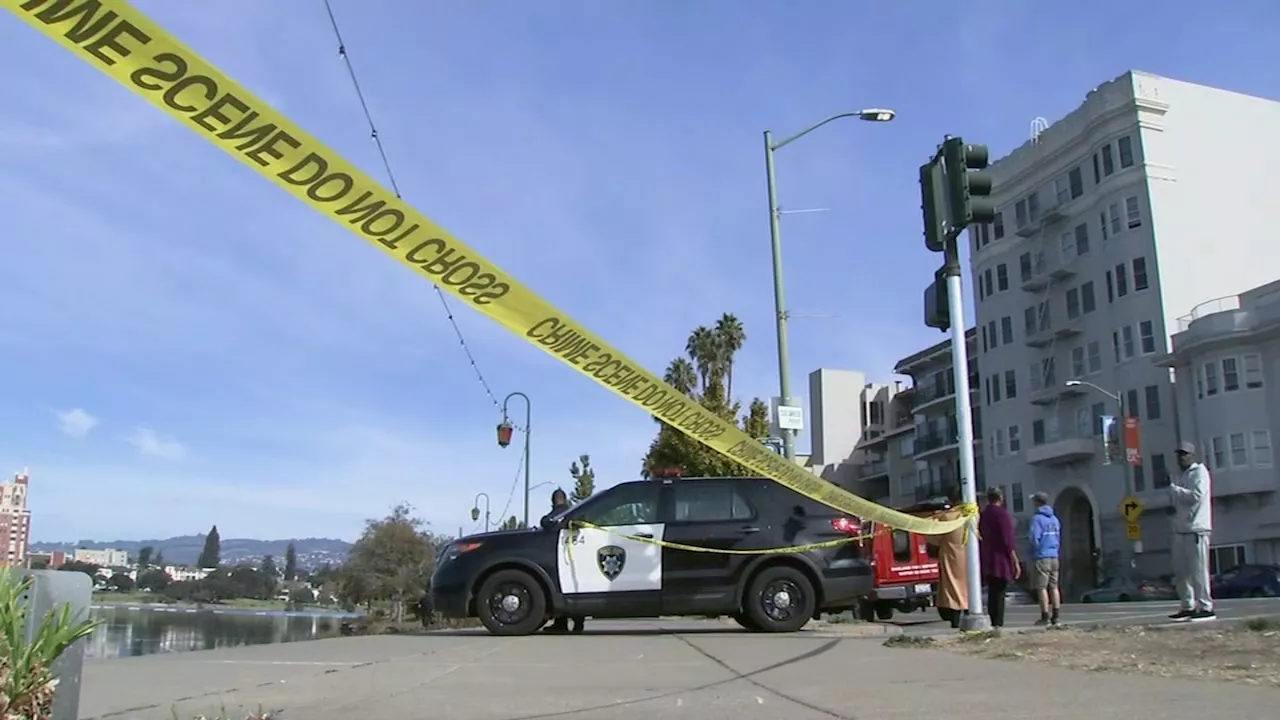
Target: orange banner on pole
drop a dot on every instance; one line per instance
(1132, 442)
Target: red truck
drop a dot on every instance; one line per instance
(906, 571)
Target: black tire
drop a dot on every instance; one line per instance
(1086, 599)
(1123, 598)
(746, 622)
(772, 587)
(493, 601)
(884, 611)
(866, 611)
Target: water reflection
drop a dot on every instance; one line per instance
(140, 630)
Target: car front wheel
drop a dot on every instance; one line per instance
(511, 602)
(781, 599)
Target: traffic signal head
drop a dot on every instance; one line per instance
(933, 200)
(937, 306)
(968, 189)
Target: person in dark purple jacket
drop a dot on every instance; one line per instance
(998, 551)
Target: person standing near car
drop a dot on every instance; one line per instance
(559, 503)
(1046, 542)
(998, 553)
(953, 582)
(1192, 498)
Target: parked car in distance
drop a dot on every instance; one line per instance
(1245, 581)
(1013, 595)
(1125, 590)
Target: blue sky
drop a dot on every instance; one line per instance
(168, 364)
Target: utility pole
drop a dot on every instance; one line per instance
(953, 198)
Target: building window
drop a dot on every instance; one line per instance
(1113, 212)
(1029, 321)
(1095, 357)
(1125, 146)
(1037, 432)
(1218, 450)
(1082, 239)
(1077, 362)
(1133, 214)
(1061, 190)
(1048, 370)
(1239, 451)
(1006, 329)
(1076, 181)
(1230, 375)
(1102, 224)
(986, 279)
(1067, 245)
(1015, 440)
(1262, 448)
(1037, 381)
(1033, 207)
(1147, 335)
(997, 227)
(997, 443)
(1088, 303)
(1115, 344)
(1225, 557)
(985, 347)
(1211, 378)
(1126, 337)
(995, 388)
(1019, 502)
(981, 295)
(1002, 277)
(1097, 411)
(1108, 161)
(1010, 384)
(1159, 472)
(1084, 422)
(1153, 402)
(1252, 371)
(1131, 404)
(1020, 212)
(1024, 266)
(1140, 281)
(1122, 280)
(1097, 172)
(991, 333)
(1073, 303)
(1111, 292)
(1139, 478)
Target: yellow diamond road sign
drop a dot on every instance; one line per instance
(1131, 509)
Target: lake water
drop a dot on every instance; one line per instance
(145, 630)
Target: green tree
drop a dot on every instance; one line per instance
(511, 523)
(290, 563)
(584, 479)
(144, 556)
(705, 377)
(120, 582)
(159, 559)
(268, 567)
(153, 580)
(211, 555)
(76, 566)
(391, 561)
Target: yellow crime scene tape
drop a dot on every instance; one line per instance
(124, 43)
(725, 551)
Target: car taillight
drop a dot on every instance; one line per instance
(846, 526)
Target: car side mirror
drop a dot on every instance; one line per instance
(551, 524)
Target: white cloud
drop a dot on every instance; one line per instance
(76, 422)
(150, 443)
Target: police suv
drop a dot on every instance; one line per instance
(606, 558)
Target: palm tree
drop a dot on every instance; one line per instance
(703, 351)
(681, 375)
(730, 336)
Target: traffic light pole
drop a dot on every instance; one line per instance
(977, 619)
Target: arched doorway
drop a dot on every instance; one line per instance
(1079, 542)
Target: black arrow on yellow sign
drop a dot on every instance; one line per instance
(1131, 508)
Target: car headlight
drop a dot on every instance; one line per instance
(452, 552)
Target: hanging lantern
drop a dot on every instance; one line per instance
(504, 433)
(475, 514)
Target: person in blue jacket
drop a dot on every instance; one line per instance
(1046, 539)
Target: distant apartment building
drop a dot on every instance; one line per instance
(845, 409)
(179, 573)
(1111, 222)
(1226, 360)
(15, 521)
(924, 460)
(106, 557)
(51, 560)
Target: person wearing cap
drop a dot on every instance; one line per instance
(998, 553)
(1192, 498)
(1046, 541)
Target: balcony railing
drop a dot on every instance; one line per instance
(936, 489)
(873, 469)
(926, 394)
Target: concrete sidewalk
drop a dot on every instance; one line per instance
(619, 671)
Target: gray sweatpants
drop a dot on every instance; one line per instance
(1190, 555)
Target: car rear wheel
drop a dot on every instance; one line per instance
(866, 611)
(1124, 598)
(511, 602)
(781, 599)
(884, 611)
(746, 622)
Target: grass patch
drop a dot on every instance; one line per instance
(910, 641)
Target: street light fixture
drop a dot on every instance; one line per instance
(504, 439)
(475, 509)
(878, 115)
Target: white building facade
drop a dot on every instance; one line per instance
(1226, 359)
(1148, 198)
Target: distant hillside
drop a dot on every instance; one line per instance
(312, 552)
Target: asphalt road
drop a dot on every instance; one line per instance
(1130, 613)
(708, 670)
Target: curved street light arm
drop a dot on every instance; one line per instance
(787, 141)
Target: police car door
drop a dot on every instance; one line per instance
(603, 572)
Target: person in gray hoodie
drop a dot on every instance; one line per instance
(1191, 494)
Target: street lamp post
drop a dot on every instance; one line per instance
(779, 302)
(475, 509)
(504, 439)
(1124, 455)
